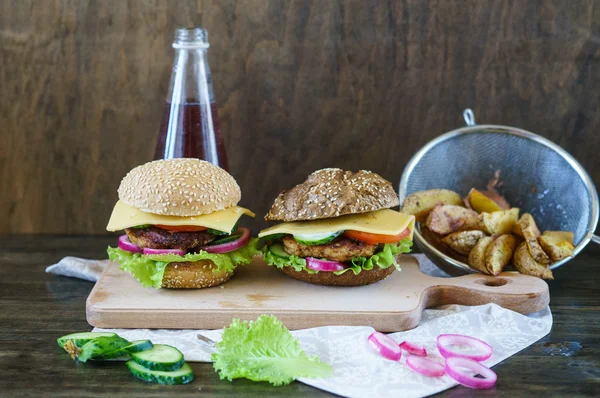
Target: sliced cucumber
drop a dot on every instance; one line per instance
(316, 239)
(216, 232)
(160, 357)
(226, 239)
(139, 345)
(277, 250)
(79, 339)
(181, 376)
(267, 238)
(134, 346)
(102, 348)
(220, 233)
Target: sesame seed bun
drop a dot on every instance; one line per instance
(348, 278)
(193, 275)
(330, 193)
(179, 187)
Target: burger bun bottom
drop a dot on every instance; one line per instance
(193, 275)
(346, 279)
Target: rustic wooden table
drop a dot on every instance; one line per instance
(36, 308)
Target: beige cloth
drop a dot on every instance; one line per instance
(76, 267)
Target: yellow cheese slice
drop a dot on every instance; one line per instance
(125, 216)
(385, 222)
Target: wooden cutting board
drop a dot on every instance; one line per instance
(394, 304)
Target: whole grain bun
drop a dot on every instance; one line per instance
(346, 279)
(179, 187)
(330, 193)
(193, 275)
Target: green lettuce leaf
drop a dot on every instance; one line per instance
(149, 269)
(383, 259)
(264, 350)
(298, 263)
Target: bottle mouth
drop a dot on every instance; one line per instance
(191, 38)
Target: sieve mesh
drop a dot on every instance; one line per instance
(537, 177)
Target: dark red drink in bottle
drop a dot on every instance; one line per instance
(190, 125)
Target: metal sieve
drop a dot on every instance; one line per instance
(539, 177)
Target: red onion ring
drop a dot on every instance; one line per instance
(425, 366)
(324, 265)
(445, 340)
(230, 246)
(385, 346)
(179, 252)
(413, 349)
(454, 368)
(125, 244)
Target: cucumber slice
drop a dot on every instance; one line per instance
(159, 357)
(216, 232)
(220, 233)
(317, 239)
(139, 345)
(267, 238)
(277, 250)
(134, 346)
(79, 339)
(181, 376)
(102, 348)
(226, 239)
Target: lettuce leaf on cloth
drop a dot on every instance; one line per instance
(149, 269)
(264, 350)
(383, 259)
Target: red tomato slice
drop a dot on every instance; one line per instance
(181, 228)
(377, 238)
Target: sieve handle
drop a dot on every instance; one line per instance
(596, 239)
(469, 117)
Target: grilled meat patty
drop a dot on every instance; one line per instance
(158, 238)
(343, 249)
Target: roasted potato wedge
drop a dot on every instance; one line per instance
(525, 264)
(526, 222)
(498, 253)
(436, 241)
(481, 203)
(446, 219)
(562, 235)
(527, 228)
(477, 254)
(498, 222)
(463, 241)
(556, 247)
(421, 203)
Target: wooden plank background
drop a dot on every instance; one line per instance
(301, 85)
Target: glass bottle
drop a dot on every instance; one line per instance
(190, 124)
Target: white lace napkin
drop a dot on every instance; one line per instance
(81, 268)
(359, 371)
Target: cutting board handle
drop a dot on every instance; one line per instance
(521, 293)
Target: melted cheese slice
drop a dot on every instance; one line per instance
(125, 216)
(384, 222)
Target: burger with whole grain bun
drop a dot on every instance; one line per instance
(180, 220)
(337, 229)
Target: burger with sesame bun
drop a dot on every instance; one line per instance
(337, 228)
(180, 218)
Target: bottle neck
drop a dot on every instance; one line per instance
(191, 80)
(190, 45)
